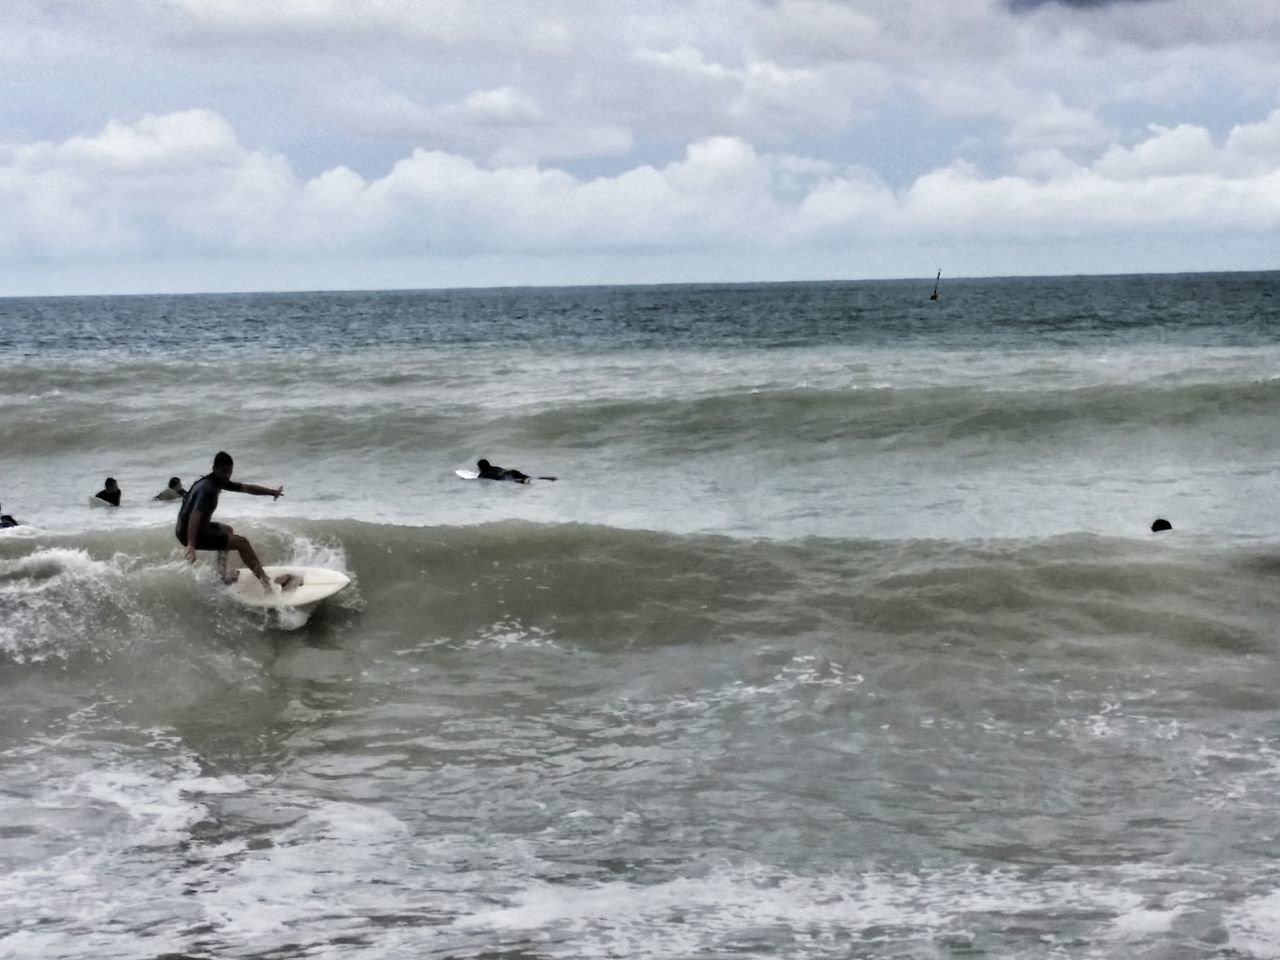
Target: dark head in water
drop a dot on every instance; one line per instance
(483, 465)
(110, 492)
(1161, 524)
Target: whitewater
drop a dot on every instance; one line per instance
(843, 631)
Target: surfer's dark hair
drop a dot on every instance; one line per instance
(222, 459)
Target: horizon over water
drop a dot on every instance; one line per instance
(842, 632)
(925, 282)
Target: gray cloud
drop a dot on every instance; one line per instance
(1019, 5)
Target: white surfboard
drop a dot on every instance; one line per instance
(474, 475)
(308, 586)
(99, 502)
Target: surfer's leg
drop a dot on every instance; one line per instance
(243, 547)
(217, 537)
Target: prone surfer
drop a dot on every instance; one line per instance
(196, 530)
(8, 521)
(489, 472)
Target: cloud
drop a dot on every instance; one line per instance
(1250, 150)
(117, 192)
(443, 23)
(503, 125)
(183, 182)
(361, 129)
(592, 81)
(759, 98)
(1078, 4)
(1159, 24)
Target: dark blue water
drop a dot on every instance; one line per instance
(1189, 309)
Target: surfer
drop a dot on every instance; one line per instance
(8, 521)
(110, 492)
(174, 491)
(489, 472)
(196, 530)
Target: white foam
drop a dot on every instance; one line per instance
(1254, 927)
(48, 597)
(102, 894)
(761, 909)
(1143, 923)
(499, 635)
(802, 672)
(310, 553)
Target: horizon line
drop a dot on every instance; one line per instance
(925, 280)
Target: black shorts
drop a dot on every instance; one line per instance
(211, 536)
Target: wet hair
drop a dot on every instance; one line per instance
(222, 459)
(110, 481)
(1161, 524)
(482, 464)
(175, 482)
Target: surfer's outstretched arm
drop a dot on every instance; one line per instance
(260, 491)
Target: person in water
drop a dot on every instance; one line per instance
(196, 530)
(174, 491)
(489, 472)
(8, 521)
(110, 492)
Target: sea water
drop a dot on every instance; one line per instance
(841, 633)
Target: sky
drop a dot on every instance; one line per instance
(151, 146)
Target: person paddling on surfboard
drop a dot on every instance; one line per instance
(196, 530)
(489, 472)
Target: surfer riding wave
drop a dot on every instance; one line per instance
(196, 530)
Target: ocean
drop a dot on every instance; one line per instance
(842, 632)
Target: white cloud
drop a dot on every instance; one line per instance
(505, 126)
(183, 182)
(1255, 147)
(445, 23)
(1052, 124)
(760, 99)
(1186, 150)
